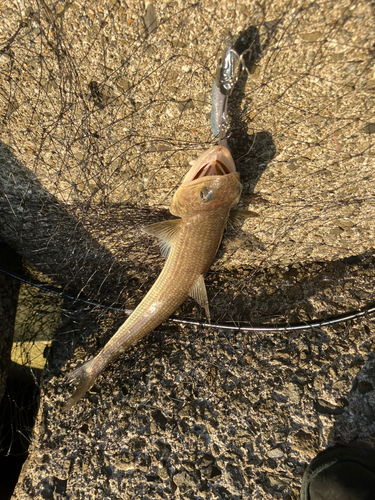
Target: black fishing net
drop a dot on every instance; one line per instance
(103, 108)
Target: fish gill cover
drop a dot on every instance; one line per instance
(104, 106)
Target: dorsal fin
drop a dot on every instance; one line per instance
(199, 293)
(166, 231)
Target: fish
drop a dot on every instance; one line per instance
(203, 204)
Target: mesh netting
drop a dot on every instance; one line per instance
(104, 105)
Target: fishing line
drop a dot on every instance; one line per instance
(367, 310)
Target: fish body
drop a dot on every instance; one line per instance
(203, 202)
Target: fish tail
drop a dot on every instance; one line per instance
(85, 375)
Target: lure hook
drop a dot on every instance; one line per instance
(229, 67)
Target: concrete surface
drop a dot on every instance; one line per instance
(104, 114)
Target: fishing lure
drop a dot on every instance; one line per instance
(229, 67)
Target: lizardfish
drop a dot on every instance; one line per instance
(203, 204)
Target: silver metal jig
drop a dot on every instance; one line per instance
(229, 67)
(228, 70)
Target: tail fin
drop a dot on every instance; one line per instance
(85, 376)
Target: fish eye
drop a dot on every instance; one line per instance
(206, 195)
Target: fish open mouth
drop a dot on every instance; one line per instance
(213, 168)
(216, 161)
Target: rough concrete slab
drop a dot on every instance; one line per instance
(106, 113)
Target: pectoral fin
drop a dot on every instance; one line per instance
(235, 216)
(166, 232)
(199, 293)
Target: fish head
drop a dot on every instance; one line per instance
(212, 183)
